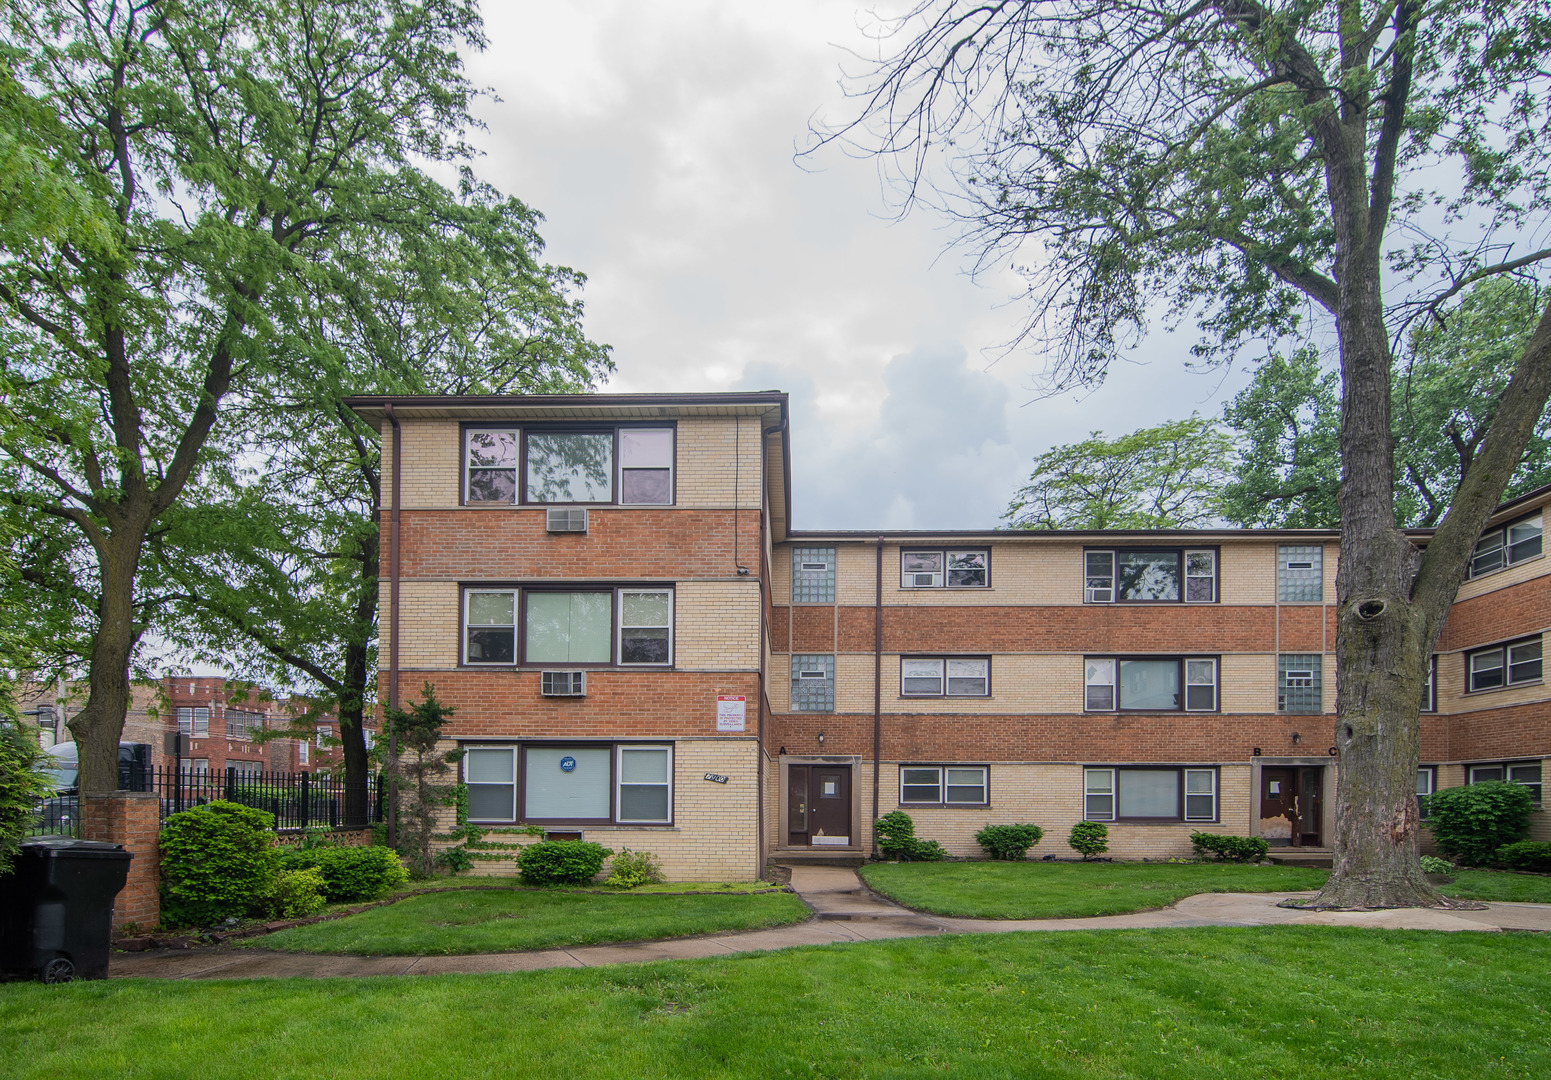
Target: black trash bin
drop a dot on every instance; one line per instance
(56, 908)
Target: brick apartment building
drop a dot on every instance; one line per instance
(219, 717)
(642, 650)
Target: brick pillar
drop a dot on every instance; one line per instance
(130, 818)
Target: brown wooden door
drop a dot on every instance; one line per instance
(818, 809)
(1291, 805)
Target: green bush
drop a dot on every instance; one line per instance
(561, 862)
(296, 894)
(1009, 841)
(350, 874)
(1431, 864)
(1089, 838)
(632, 868)
(1470, 823)
(218, 861)
(896, 832)
(1229, 848)
(1525, 855)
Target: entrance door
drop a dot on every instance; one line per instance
(1291, 805)
(818, 811)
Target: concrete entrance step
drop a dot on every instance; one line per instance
(802, 856)
(1307, 856)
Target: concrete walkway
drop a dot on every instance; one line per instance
(844, 910)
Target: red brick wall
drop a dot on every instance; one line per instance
(1170, 628)
(813, 629)
(624, 704)
(1302, 629)
(1503, 613)
(1514, 731)
(129, 818)
(633, 544)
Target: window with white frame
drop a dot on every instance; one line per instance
(1426, 777)
(303, 749)
(813, 575)
(1512, 664)
(1299, 683)
(945, 676)
(193, 721)
(195, 766)
(1430, 691)
(1527, 773)
(490, 626)
(242, 723)
(599, 783)
(1507, 545)
(324, 736)
(813, 682)
(943, 785)
(249, 769)
(1150, 575)
(645, 626)
(1150, 684)
(944, 568)
(624, 464)
(1300, 573)
(1149, 794)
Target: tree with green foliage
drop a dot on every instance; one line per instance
(22, 781)
(1160, 477)
(419, 762)
(1252, 164)
(242, 159)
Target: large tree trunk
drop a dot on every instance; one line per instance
(98, 727)
(352, 701)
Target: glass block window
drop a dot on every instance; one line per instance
(1298, 683)
(813, 683)
(813, 575)
(1300, 573)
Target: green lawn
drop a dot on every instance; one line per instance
(475, 921)
(1493, 885)
(1065, 890)
(1196, 1004)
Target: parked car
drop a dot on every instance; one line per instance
(59, 812)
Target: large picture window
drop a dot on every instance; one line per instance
(943, 785)
(1513, 664)
(622, 464)
(1148, 794)
(1505, 546)
(1527, 773)
(1150, 684)
(625, 626)
(588, 783)
(1150, 575)
(945, 676)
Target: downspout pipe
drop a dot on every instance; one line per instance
(877, 693)
(393, 618)
(765, 601)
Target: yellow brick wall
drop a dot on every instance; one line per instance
(430, 622)
(1453, 699)
(431, 463)
(1051, 796)
(713, 837)
(1247, 573)
(716, 625)
(709, 466)
(856, 573)
(1248, 682)
(778, 682)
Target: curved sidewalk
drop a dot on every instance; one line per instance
(844, 910)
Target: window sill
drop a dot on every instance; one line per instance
(944, 697)
(1500, 569)
(575, 826)
(944, 806)
(1500, 689)
(1176, 822)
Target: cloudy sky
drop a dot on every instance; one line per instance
(658, 140)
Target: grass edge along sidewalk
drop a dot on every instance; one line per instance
(1186, 1003)
(1062, 890)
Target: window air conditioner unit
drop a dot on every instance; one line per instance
(563, 683)
(565, 521)
(1101, 596)
(925, 581)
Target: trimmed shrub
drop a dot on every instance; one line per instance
(1525, 855)
(561, 862)
(1470, 823)
(218, 862)
(1229, 848)
(350, 874)
(297, 894)
(897, 840)
(632, 868)
(1431, 864)
(1089, 838)
(1008, 841)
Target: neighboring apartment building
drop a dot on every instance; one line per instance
(641, 650)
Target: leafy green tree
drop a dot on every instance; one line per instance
(419, 762)
(1160, 477)
(1252, 163)
(1287, 471)
(242, 155)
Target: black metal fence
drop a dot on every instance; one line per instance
(298, 800)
